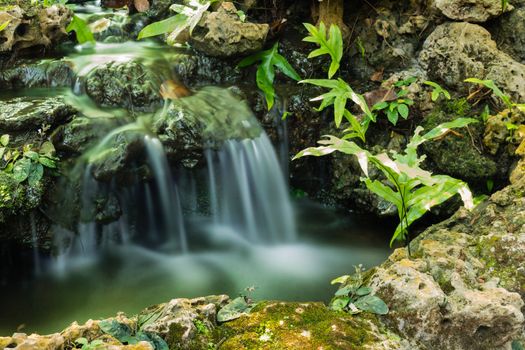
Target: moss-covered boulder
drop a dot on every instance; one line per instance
(308, 326)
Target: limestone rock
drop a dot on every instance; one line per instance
(177, 320)
(31, 113)
(33, 27)
(509, 33)
(456, 51)
(223, 34)
(128, 85)
(471, 10)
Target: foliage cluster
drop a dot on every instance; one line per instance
(27, 162)
(355, 297)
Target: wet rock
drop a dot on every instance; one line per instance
(471, 10)
(456, 51)
(17, 199)
(196, 69)
(289, 326)
(32, 27)
(185, 323)
(128, 85)
(509, 33)
(31, 113)
(461, 155)
(39, 74)
(461, 287)
(223, 34)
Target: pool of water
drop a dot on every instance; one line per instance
(129, 278)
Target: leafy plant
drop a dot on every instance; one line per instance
(27, 163)
(397, 108)
(81, 29)
(330, 44)
(492, 86)
(235, 309)
(504, 5)
(269, 60)
(437, 91)
(338, 96)
(187, 17)
(355, 297)
(124, 334)
(411, 189)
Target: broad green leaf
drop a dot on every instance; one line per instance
(31, 155)
(373, 304)
(81, 29)
(4, 140)
(47, 149)
(338, 304)
(343, 291)
(36, 172)
(47, 162)
(234, 310)
(384, 191)
(265, 76)
(392, 116)
(155, 340)
(165, 26)
(340, 280)
(118, 330)
(362, 291)
(21, 169)
(403, 110)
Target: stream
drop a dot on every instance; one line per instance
(224, 226)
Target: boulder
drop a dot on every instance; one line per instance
(471, 10)
(36, 74)
(509, 33)
(223, 34)
(457, 51)
(126, 85)
(31, 27)
(31, 113)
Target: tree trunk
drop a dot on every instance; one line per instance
(331, 12)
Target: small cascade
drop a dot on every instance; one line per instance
(168, 193)
(248, 192)
(34, 237)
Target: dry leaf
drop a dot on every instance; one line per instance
(378, 76)
(172, 90)
(379, 95)
(141, 5)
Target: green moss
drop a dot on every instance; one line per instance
(274, 325)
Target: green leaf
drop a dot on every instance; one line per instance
(492, 86)
(47, 149)
(155, 340)
(265, 76)
(234, 310)
(82, 341)
(329, 45)
(373, 304)
(47, 162)
(363, 291)
(21, 169)
(343, 291)
(165, 26)
(338, 304)
(380, 106)
(403, 110)
(117, 330)
(31, 155)
(4, 25)
(392, 116)
(81, 29)
(36, 172)
(340, 280)
(4, 140)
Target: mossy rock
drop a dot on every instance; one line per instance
(459, 153)
(292, 325)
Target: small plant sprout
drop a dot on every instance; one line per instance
(397, 108)
(269, 60)
(412, 190)
(354, 296)
(81, 29)
(437, 91)
(329, 44)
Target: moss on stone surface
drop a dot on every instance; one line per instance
(17, 198)
(279, 325)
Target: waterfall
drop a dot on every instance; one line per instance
(36, 256)
(168, 193)
(248, 191)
